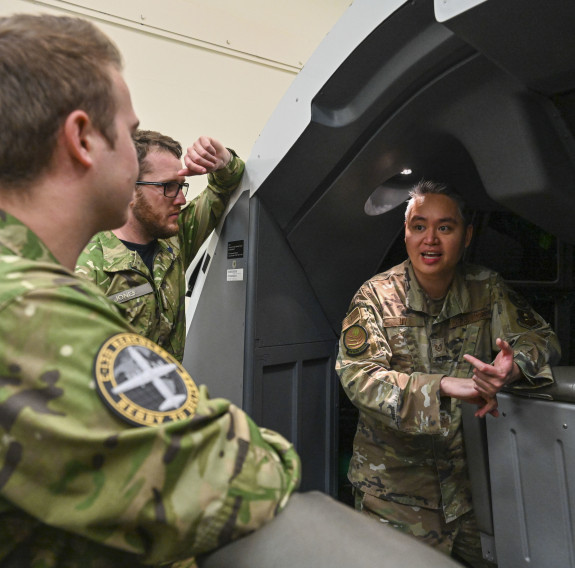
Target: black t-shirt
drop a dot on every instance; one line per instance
(146, 252)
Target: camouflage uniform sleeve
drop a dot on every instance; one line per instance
(202, 214)
(535, 344)
(162, 492)
(406, 401)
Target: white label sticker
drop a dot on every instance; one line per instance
(235, 274)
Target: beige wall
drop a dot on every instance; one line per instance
(216, 67)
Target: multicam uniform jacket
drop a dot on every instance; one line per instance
(155, 304)
(394, 349)
(80, 485)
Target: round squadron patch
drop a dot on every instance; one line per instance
(141, 383)
(355, 339)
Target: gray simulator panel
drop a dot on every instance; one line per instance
(215, 357)
(532, 462)
(455, 101)
(269, 327)
(316, 532)
(290, 353)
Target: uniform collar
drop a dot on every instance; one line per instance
(457, 300)
(117, 257)
(16, 237)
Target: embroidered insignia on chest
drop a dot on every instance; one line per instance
(141, 383)
(525, 318)
(355, 340)
(438, 348)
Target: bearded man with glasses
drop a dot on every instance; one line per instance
(141, 266)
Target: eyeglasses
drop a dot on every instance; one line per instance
(171, 188)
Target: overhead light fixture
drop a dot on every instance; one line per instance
(393, 193)
(384, 199)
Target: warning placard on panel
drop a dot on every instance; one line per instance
(235, 249)
(235, 274)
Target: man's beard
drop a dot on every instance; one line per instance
(147, 217)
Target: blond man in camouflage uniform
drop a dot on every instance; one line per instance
(419, 340)
(110, 456)
(141, 266)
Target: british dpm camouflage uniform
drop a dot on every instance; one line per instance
(81, 486)
(155, 304)
(395, 347)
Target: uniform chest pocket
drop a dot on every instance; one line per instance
(461, 367)
(470, 331)
(135, 309)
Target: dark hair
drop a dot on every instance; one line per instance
(145, 140)
(49, 67)
(425, 187)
